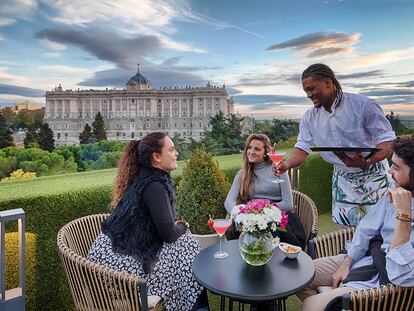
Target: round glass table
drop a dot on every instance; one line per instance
(232, 277)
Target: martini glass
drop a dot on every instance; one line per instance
(221, 226)
(277, 157)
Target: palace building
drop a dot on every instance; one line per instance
(135, 111)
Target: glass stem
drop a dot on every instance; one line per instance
(220, 243)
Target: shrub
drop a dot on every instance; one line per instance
(20, 174)
(201, 191)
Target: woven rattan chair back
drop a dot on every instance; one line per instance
(383, 298)
(94, 286)
(306, 209)
(332, 243)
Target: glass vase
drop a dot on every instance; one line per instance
(256, 248)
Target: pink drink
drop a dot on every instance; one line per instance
(276, 157)
(221, 226)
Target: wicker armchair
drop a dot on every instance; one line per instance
(305, 208)
(94, 286)
(386, 297)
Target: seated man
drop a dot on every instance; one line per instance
(382, 250)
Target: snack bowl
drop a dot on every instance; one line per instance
(289, 250)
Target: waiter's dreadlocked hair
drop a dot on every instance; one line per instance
(321, 71)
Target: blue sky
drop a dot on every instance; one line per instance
(258, 49)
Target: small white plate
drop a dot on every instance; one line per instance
(283, 245)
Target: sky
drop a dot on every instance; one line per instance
(258, 49)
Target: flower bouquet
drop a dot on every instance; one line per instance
(257, 219)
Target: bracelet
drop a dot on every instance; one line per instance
(404, 217)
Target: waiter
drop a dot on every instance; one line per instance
(339, 119)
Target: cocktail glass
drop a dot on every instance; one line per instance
(221, 226)
(277, 157)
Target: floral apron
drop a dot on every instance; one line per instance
(354, 193)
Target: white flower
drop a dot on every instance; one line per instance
(256, 218)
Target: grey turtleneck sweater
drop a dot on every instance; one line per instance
(262, 187)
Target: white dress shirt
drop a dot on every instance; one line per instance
(356, 122)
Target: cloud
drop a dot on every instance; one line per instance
(146, 16)
(330, 52)
(158, 77)
(11, 10)
(173, 63)
(53, 45)
(262, 102)
(52, 55)
(317, 41)
(364, 74)
(124, 51)
(5, 21)
(388, 92)
(267, 79)
(156, 14)
(376, 59)
(21, 91)
(409, 84)
(233, 91)
(1, 38)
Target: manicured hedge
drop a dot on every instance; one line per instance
(12, 263)
(315, 180)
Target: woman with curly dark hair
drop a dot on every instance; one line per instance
(141, 235)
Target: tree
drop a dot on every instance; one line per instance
(45, 138)
(86, 137)
(283, 129)
(225, 136)
(6, 138)
(10, 116)
(396, 124)
(31, 139)
(99, 132)
(201, 191)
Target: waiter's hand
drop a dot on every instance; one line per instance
(357, 161)
(280, 168)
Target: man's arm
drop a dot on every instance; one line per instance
(400, 258)
(401, 198)
(296, 158)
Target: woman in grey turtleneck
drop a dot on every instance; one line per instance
(254, 181)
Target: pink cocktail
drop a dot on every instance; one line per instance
(221, 226)
(277, 157)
